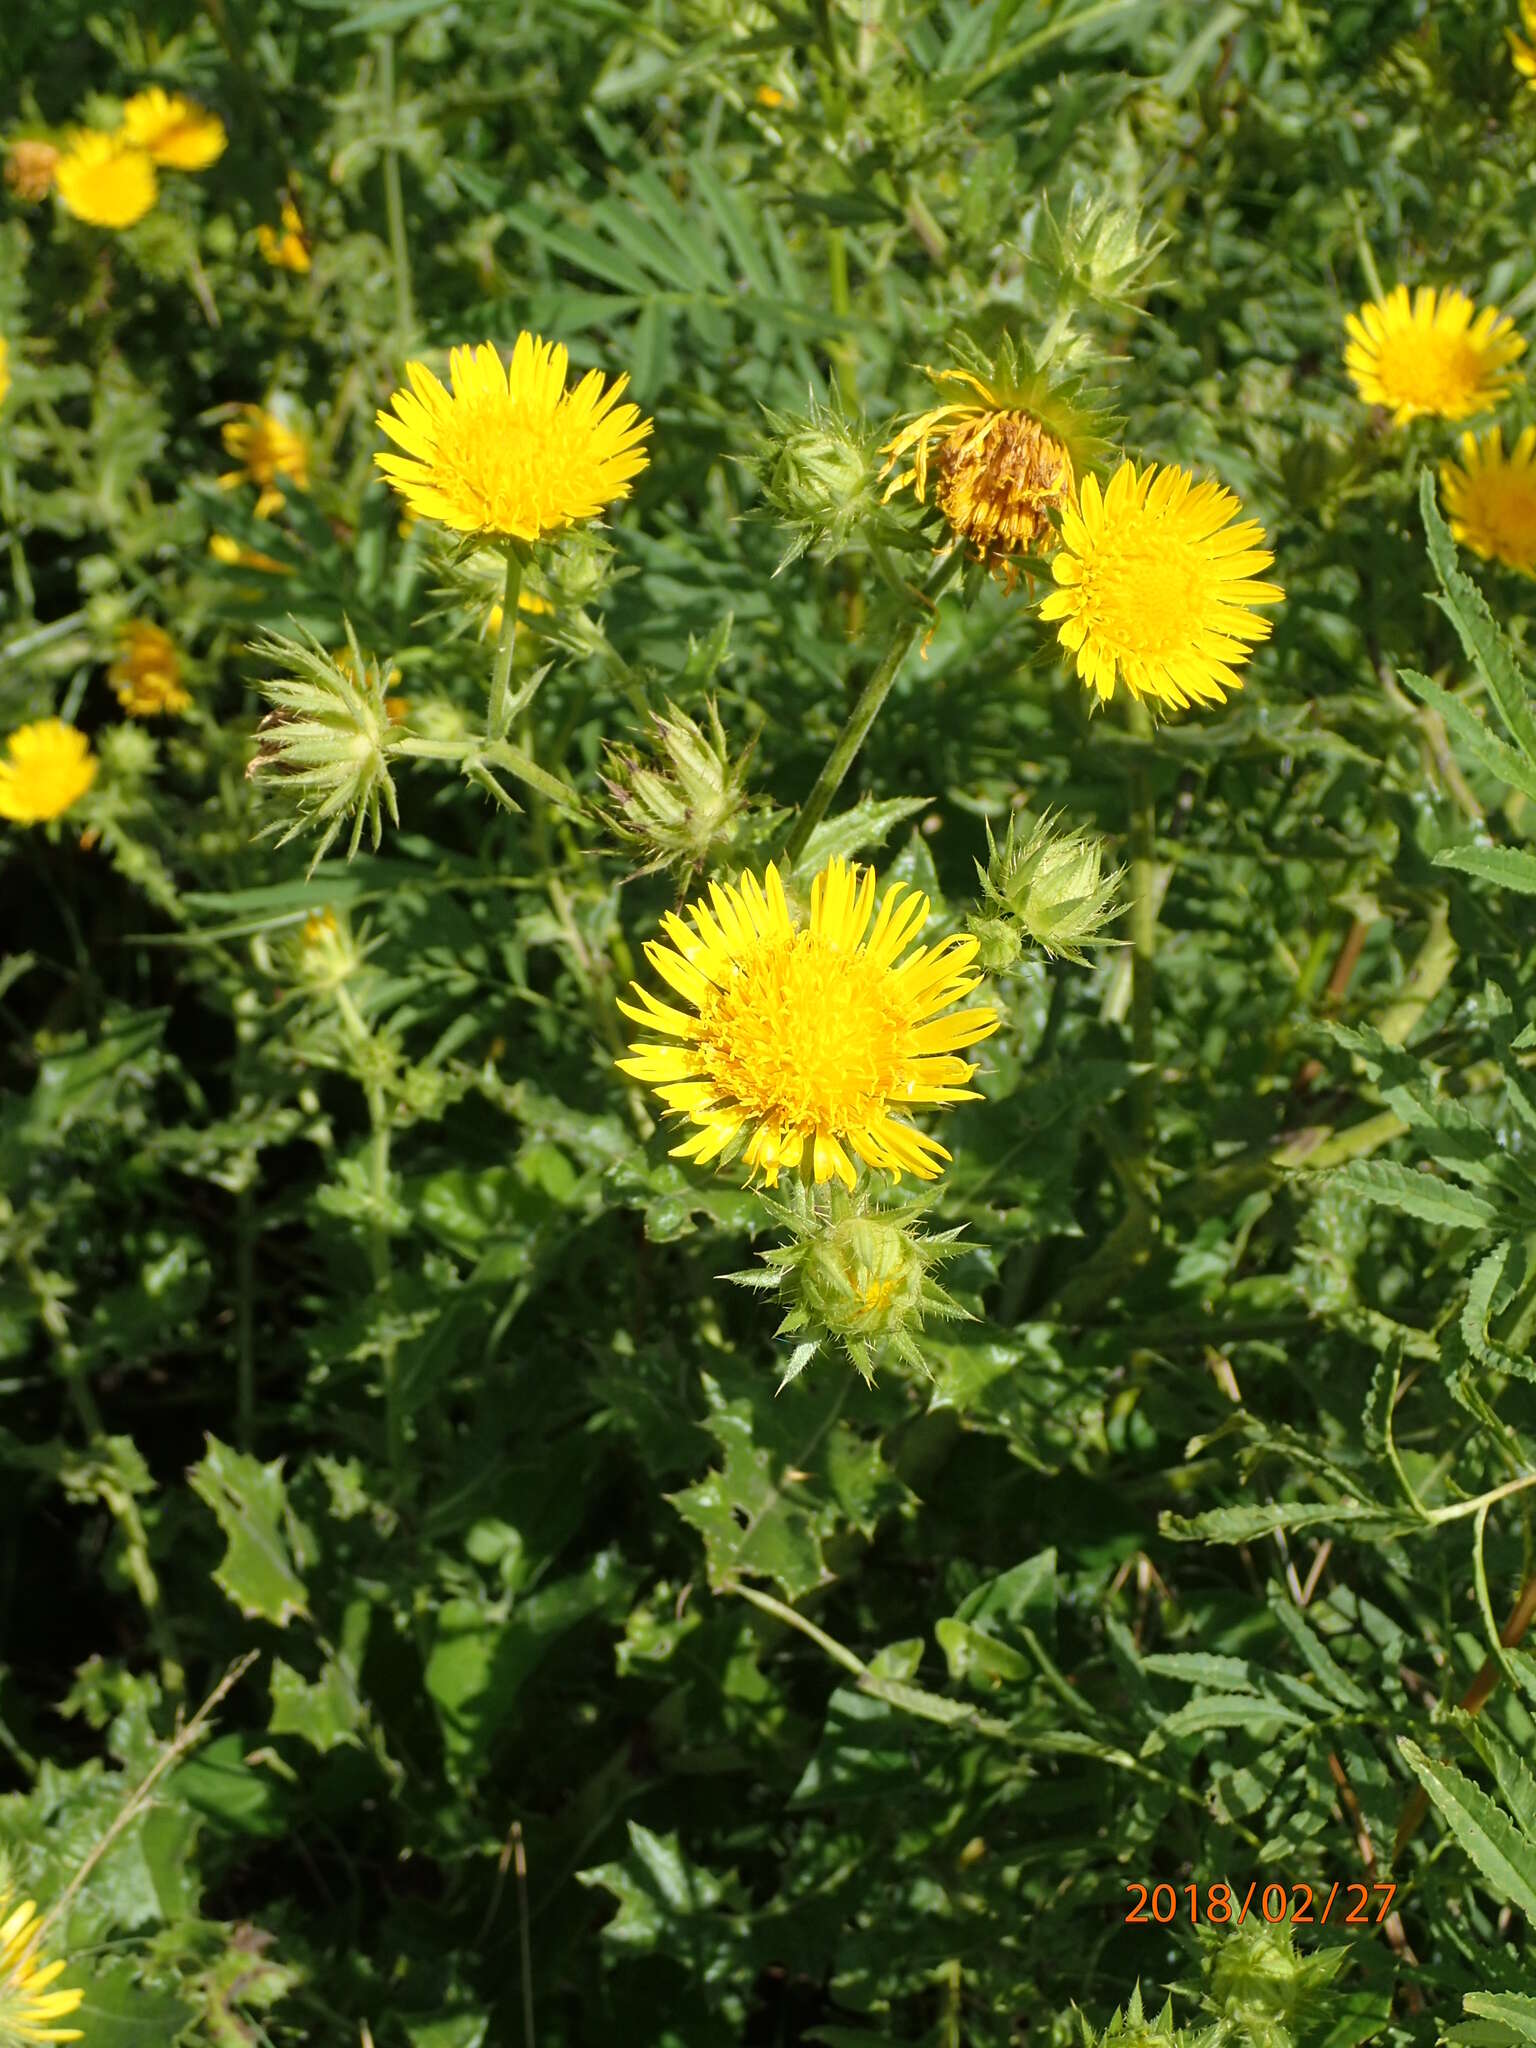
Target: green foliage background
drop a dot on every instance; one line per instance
(628, 1692)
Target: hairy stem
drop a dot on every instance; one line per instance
(864, 713)
(499, 712)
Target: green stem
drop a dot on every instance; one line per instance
(864, 713)
(1144, 880)
(245, 1349)
(498, 717)
(841, 303)
(1363, 249)
(378, 1234)
(394, 199)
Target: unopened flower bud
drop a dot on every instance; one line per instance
(1097, 256)
(854, 1274)
(325, 745)
(815, 473)
(686, 805)
(1047, 888)
(324, 954)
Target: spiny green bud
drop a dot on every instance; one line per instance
(1136, 2028)
(1263, 1989)
(325, 745)
(1047, 887)
(855, 1274)
(1097, 256)
(686, 806)
(815, 473)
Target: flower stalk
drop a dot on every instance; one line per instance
(866, 711)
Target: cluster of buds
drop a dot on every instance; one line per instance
(817, 477)
(325, 745)
(855, 1275)
(1097, 256)
(686, 806)
(1045, 887)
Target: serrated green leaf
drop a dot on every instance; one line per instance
(268, 1545)
(1511, 867)
(1416, 1193)
(1476, 628)
(868, 823)
(1505, 1857)
(325, 1714)
(1509, 2008)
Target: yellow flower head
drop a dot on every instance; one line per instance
(5, 368)
(510, 453)
(1490, 498)
(265, 450)
(1006, 447)
(1430, 357)
(28, 2009)
(106, 181)
(48, 767)
(288, 249)
(173, 131)
(226, 549)
(1157, 585)
(29, 168)
(804, 1040)
(146, 676)
(1522, 52)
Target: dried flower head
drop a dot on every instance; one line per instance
(1157, 586)
(1004, 457)
(1434, 356)
(855, 1274)
(146, 676)
(48, 766)
(804, 1040)
(510, 453)
(30, 164)
(104, 180)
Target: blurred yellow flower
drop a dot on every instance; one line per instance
(1522, 54)
(29, 168)
(173, 131)
(1490, 498)
(105, 181)
(5, 368)
(1429, 357)
(265, 450)
(146, 676)
(48, 767)
(528, 601)
(769, 96)
(224, 548)
(510, 453)
(801, 1039)
(1157, 585)
(288, 249)
(28, 2008)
